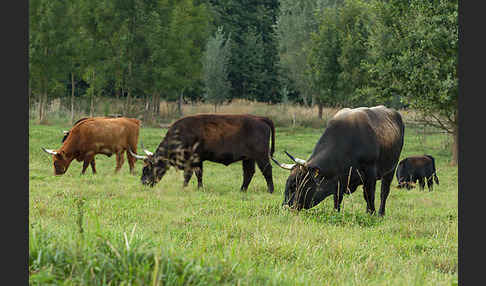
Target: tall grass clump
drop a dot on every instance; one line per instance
(122, 259)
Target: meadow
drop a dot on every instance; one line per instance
(108, 229)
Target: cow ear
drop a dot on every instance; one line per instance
(61, 155)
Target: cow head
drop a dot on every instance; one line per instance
(154, 168)
(303, 184)
(61, 160)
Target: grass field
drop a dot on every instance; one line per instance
(108, 229)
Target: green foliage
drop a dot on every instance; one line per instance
(331, 52)
(295, 23)
(253, 65)
(215, 65)
(338, 48)
(413, 53)
(323, 58)
(47, 44)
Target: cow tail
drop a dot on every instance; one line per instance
(272, 127)
(433, 166)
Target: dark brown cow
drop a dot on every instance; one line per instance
(220, 138)
(97, 135)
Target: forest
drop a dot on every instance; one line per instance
(311, 53)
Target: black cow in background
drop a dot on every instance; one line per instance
(415, 168)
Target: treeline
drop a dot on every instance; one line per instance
(310, 52)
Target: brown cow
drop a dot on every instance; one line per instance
(97, 135)
(220, 138)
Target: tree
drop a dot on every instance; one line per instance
(187, 34)
(353, 27)
(296, 21)
(215, 66)
(47, 48)
(323, 59)
(421, 64)
(252, 75)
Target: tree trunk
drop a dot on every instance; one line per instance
(129, 88)
(455, 147)
(72, 97)
(320, 107)
(124, 111)
(155, 106)
(179, 104)
(146, 112)
(30, 94)
(42, 99)
(117, 97)
(41, 95)
(91, 110)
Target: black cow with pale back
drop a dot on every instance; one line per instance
(358, 147)
(220, 138)
(417, 168)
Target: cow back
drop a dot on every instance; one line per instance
(94, 134)
(360, 136)
(221, 138)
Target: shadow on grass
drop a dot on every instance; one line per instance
(342, 218)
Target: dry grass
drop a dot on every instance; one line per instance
(283, 115)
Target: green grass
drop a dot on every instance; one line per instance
(108, 229)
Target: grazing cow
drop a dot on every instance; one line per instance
(358, 147)
(415, 168)
(97, 135)
(220, 138)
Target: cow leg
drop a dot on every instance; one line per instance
(369, 188)
(187, 176)
(248, 171)
(120, 159)
(266, 169)
(199, 174)
(421, 183)
(86, 163)
(338, 198)
(430, 183)
(93, 166)
(385, 190)
(409, 184)
(131, 162)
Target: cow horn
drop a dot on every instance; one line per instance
(296, 160)
(145, 150)
(49, 151)
(140, 157)
(283, 166)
